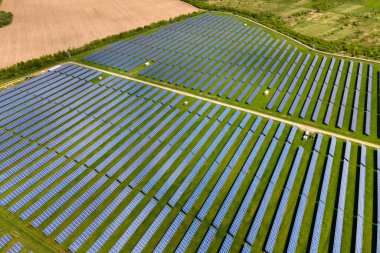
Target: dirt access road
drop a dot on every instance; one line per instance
(301, 126)
(43, 27)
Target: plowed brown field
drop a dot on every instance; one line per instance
(46, 26)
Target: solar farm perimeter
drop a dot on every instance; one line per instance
(119, 165)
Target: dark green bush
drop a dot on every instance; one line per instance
(5, 18)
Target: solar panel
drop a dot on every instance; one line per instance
(323, 197)
(283, 203)
(185, 242)
(165, 239)
(124, 238)
(228, 240)
(354, 120)
(62, 200)
(5, 240)
(269, 190)
(90, 229)
(223, 178)
(98, 244)
(18, 247)
(317, 108)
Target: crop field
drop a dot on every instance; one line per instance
(223, 58)
(346, 20)
(117, 165)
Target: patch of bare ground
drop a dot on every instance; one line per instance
(43, 27)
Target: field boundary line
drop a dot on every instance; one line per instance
(299, 42)
(254, 112)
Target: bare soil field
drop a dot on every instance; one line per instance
(43, 27)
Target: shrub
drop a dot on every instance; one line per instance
(5, 18)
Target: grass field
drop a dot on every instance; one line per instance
(113, 164)
(355, 20)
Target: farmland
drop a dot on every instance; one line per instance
(93, 158)
(354, 20)
(41, 27)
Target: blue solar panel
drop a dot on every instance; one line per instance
(338, 231)
(108, 231)
(369, 102)
(318, 142)
(305, 107)
(269, 190)
(367, 125)
(354, 120)
(283, 203)
(124, 238)
(81, 218)
(74, 207)
(62, 200)
(297, 225)
(206, 242)
(17, 247)
(228, 240)
(273, 100)
(292, 134)
(4, 240)
(169, 233)
(361, 199)
(89, 230)
(323, 197)
(294, 105)
(186, 161)
(198, 166)
(223, 178)
(332, 146)
(185, 242)
(317, 108)
(268, 127)
(341, 117)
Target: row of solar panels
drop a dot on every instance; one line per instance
(200, 58)
(6, 240)
(169, 35)
(105, 236)
(227, 76)
(47, 213)
(142, 51)
(41, 217)
(203, 78)
(52, 208)
(322, 93)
